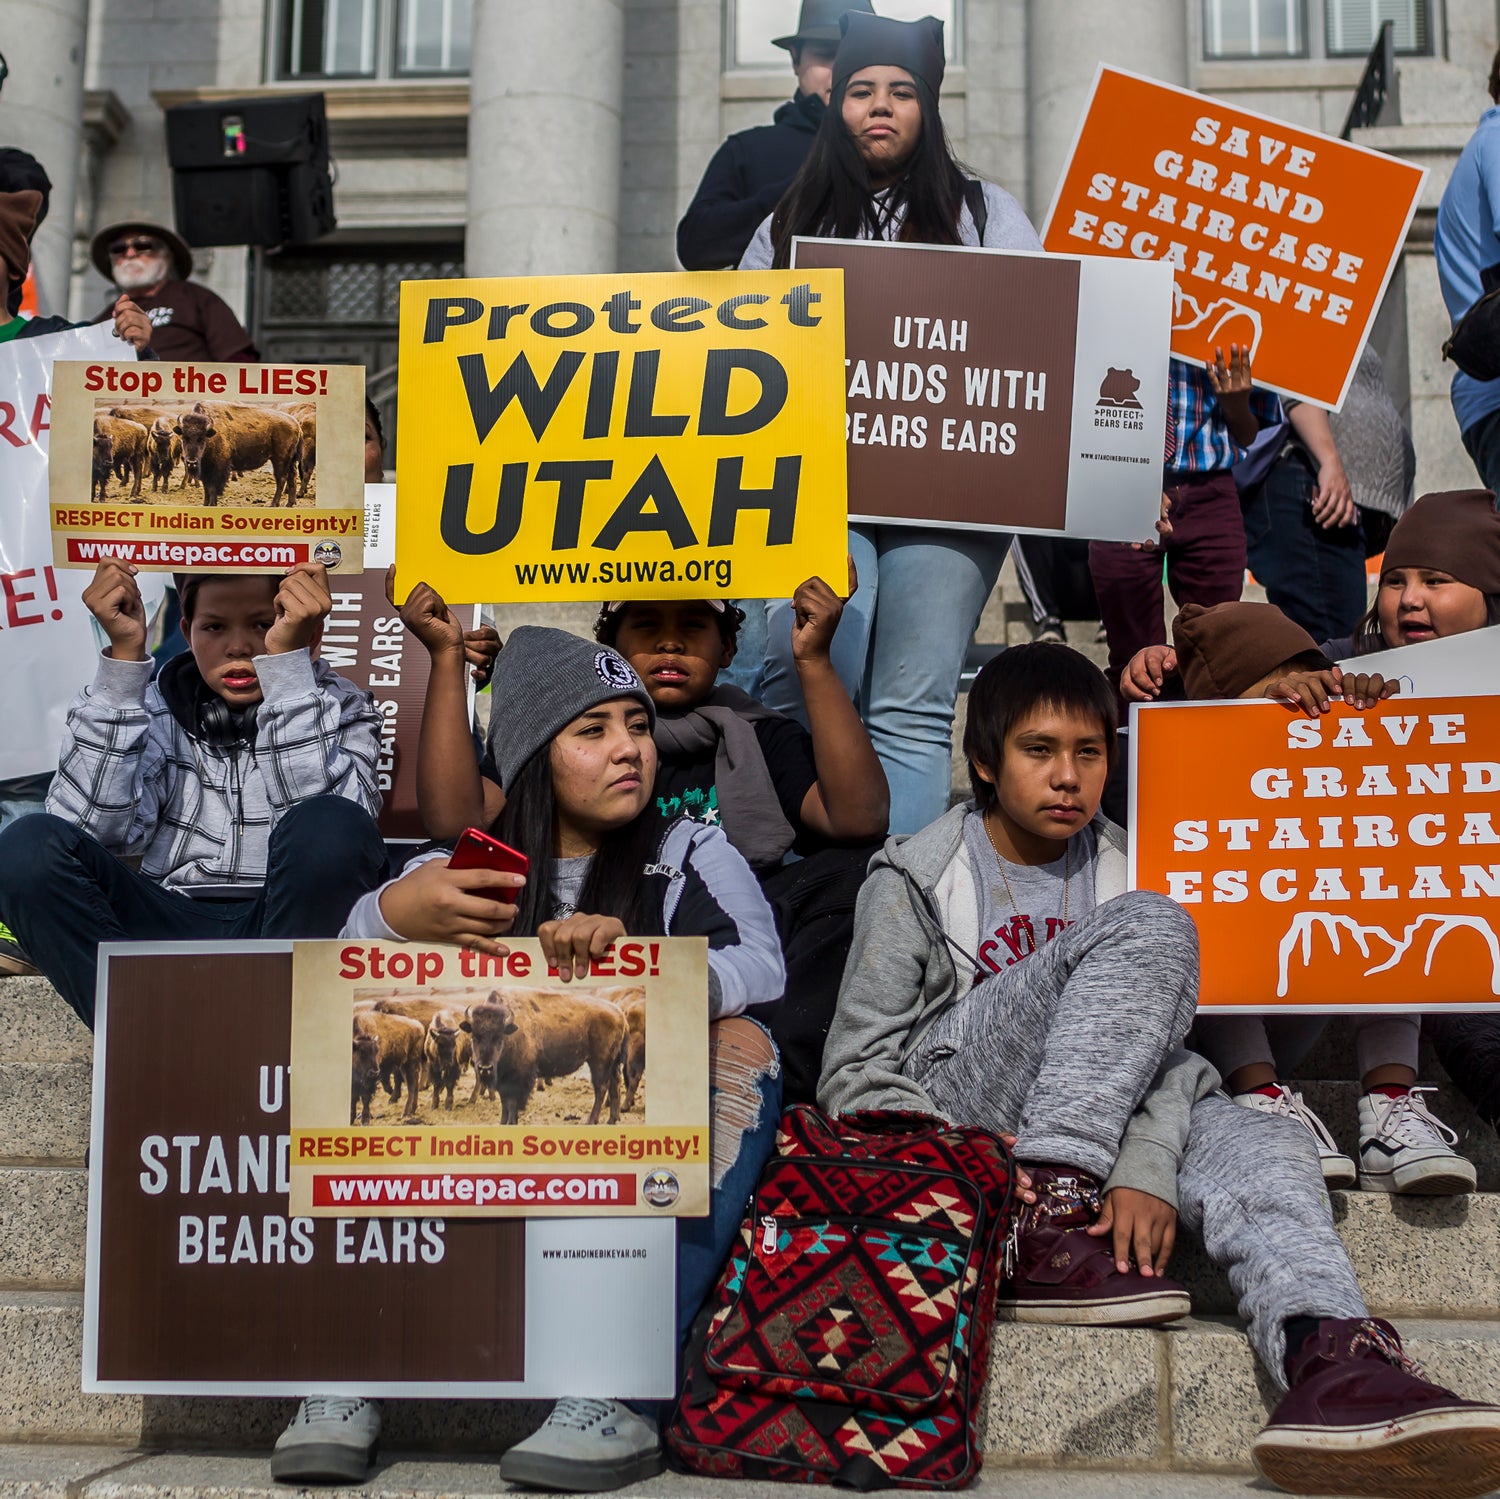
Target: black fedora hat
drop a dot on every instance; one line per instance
(819, 22)
(182, 257)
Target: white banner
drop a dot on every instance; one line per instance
(47, 637)
(1454, 666)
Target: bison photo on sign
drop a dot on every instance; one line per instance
(499, 1056)
(208, 467)
(433, 1076)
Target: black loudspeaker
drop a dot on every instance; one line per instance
(251, 171)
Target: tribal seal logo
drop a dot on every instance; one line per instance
(615, 671)
(329, 553)
(659, 1189)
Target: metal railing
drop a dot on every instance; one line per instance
(1377, 85)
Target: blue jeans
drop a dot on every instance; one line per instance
(1483, 443)
(744, 1108)
(744, 1104)
(899, 651)
(63, 893)
(1316, 577)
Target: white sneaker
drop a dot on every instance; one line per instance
(1405, 1148)
(585, 1446)
(1338, 1169)
(331, 1438)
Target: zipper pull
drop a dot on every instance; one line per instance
(768, 1234)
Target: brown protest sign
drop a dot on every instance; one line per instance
(200, 1282)
(1002, 391)
(365, 641)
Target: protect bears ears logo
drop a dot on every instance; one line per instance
(1119, 390)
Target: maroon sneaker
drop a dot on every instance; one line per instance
(1361, 1418)
(1056, 1273)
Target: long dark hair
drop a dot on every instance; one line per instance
(615, 884)
(831, 197)
(1367, 636)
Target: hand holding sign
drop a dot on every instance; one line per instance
(114, 599)
(132, 324)
(303, 602)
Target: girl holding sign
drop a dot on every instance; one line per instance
(881, 168)
(570, 735)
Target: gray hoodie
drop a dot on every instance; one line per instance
(915, 929)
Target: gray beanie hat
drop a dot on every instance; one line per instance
(543, 680)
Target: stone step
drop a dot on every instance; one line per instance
(38, 1026)
(44, 1111)
(43, 1227)
(41, 1472)
(1188, 1397)
(1414, 1256)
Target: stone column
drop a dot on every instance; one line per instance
(1065, 43)
(41, 111)
(546, 88)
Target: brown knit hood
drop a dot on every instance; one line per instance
(1457, 532)
(1223, 650)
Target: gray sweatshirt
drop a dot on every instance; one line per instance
(916, 929)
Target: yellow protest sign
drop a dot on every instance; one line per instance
(622, 436)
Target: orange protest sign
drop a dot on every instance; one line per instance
(1282, 239)
(1348, 862)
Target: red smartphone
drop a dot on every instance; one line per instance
(476, 850)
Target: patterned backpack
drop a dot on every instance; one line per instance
(846, 1340)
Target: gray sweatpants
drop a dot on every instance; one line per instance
(1251, 1186)
(1060, 1048)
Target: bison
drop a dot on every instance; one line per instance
(120, 449)
(400, 1050)
(566, 1032)
(219, 440)
(366, 1074)
(450, 1049)
(164, 454)
(306, 417)
(632, 1004)
(496, 1043)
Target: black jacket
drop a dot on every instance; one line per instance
(743, 183)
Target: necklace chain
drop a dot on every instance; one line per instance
(989, 833)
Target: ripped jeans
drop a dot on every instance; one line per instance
(744, 1107)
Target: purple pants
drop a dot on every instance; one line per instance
(1205, 564)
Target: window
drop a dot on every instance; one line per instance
(373, 38)
(1253, 28)
(1351, 26)
(752, 24)
(1235, 29)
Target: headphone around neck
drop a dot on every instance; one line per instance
(220, 728)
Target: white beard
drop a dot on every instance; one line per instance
(141, 272)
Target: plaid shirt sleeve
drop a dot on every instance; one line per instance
(110, 774)
(316, 734)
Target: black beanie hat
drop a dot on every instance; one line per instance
(878, 41)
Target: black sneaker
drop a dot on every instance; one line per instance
(13, 960)
(1051, 631)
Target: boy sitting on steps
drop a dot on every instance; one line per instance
(1002, 976)
(243, 779)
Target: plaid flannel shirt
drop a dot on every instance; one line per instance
(1204, 444)
(132, 777)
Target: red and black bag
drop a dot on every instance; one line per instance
(847, 1338)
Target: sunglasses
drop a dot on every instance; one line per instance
(140, 246)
